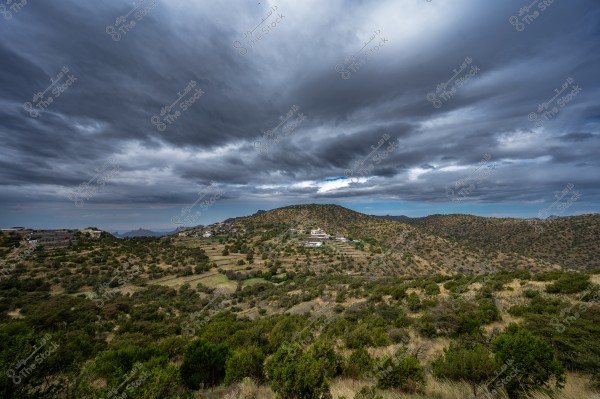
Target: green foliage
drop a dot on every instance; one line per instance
(432, 289)
(244, 362)
(413, 302)
(294, 373)
(163, 382)
(114, 363)
(473, 365)
(398, 293)
(574, 336)
(569, 284)
(531, 293)
(359, 362)
(330, 362)
(202, 361)
(488, 312)
(532, 359)
(366, 335)
(404, 373)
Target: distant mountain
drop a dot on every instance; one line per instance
(149, 233)
(389, 217)
(140, 233)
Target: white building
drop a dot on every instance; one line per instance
(207, 234)
(319, 234)
(92, 233)
(313, 244)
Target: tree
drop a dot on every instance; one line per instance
(403, 372)
(246, 362)
(294, 373)
(474, 366)
(531, 357)
(359, 362)
(202, 362)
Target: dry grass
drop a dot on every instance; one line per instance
(577, 387)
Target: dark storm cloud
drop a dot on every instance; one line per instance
(121, 84)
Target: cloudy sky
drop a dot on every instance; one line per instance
(408, 107)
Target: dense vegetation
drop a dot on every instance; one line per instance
(182, 317)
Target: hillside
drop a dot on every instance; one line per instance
(571, 242)
(252, 286)
(409, 249)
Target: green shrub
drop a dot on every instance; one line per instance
(569, 284)
(293, 373)
(245, 362)
(203, 360)
(432, 289)
(413, 302)
(404, 373)
(531, 293)
(359, 362)
(474, 366)
(532, 359)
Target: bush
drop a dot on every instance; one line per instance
(246, 362)
(531, 293)
(413, 302)
(569, 284)
(366, 336)
(432, 289)
(359, 362)
(474, 366)
(404, 373)
(531, 356)
(331, 363)
(201, 361)
(292, 373)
